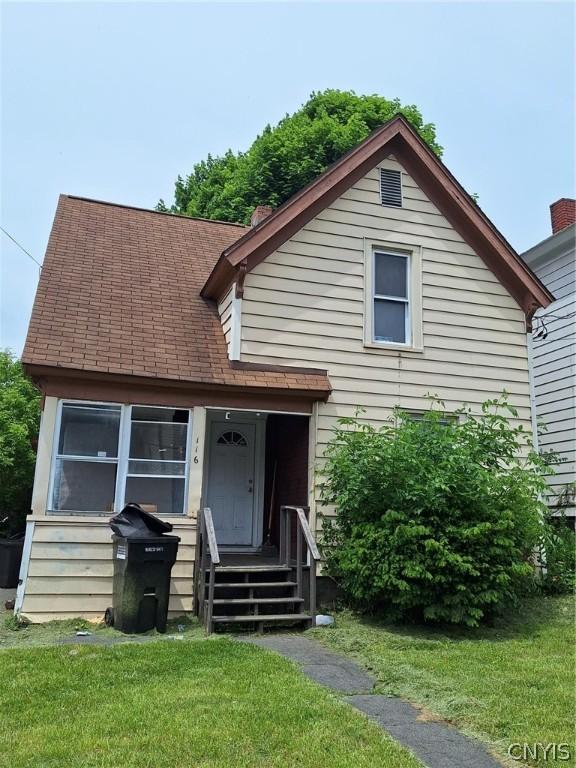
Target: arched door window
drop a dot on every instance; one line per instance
(232, 438)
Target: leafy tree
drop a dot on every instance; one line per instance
(286, 157)
(437, 519)
(19, 422)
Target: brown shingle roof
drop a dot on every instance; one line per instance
(119, 293)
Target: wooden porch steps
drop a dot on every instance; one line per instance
(254, 597)
(262, 618)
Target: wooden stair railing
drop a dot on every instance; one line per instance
(303, 535)
(206, 561)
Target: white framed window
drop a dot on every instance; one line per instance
(393, 304)
(107, 455)
(391, 314)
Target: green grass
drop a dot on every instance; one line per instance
(509, 683)
(191, 704)
(54, 632)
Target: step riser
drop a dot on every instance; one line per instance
(271, 593)
(270, 619)
(256, 569)
(258, 601)
(253, 584)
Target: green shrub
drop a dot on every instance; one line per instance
(435, 519)
(19, 421)
(558, 548)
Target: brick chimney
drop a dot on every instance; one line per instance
(260, 213)
(562, 213)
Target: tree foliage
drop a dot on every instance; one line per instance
(435, 519)
(286, 157)
(19, 422)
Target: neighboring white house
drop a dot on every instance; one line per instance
(554, 348)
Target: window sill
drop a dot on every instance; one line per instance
(396, 348)
(100, 517)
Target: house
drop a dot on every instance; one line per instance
(553, 350)
(189, 364)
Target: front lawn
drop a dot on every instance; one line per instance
(512, 683)
(196, 703)
(14, 635)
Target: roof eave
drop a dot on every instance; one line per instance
(221, 277)
(39, 373)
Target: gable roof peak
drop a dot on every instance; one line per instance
(398, 137)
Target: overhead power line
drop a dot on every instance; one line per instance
(21, 248)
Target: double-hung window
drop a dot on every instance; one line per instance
(108, 455)
(391, 308)
(393, 296)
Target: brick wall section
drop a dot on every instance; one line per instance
(119, 293)
(563, 214)
(287, 446)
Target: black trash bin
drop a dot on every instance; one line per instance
(10, 559)
(143, 559)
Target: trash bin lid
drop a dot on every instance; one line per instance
(134, 523)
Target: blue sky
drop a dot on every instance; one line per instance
(113, 100)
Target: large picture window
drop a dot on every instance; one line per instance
(108, 455)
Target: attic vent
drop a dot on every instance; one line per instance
(391, 187)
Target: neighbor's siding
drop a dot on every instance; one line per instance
(559, 274)
(225, 312)
(304, 306)
(554, 356)
(555, 390)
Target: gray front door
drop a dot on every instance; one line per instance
(230, 493)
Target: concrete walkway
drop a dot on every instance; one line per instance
(436, 744)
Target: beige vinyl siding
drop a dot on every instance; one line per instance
(304, 305)
(225, 312)
(71, 567)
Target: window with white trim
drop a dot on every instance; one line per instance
(391, 298)
(108, 455)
